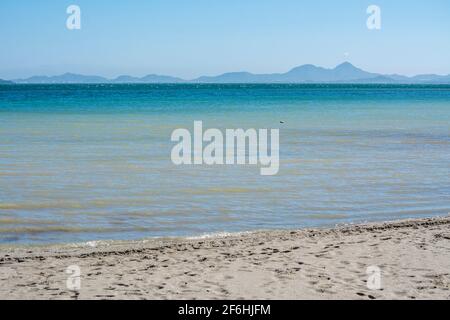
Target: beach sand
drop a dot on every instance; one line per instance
(413, 257)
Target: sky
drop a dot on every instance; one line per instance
(189, 38)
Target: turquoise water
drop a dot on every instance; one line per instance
(92, 162)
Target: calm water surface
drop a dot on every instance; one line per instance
(92, 162)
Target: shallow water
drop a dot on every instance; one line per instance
(92, 162)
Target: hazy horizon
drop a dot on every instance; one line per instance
(190, 79)
(189, 40)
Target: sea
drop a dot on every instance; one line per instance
(92, 162)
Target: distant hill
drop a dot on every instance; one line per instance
(308, 73)
(443, 80)
(5, 82)
(64, 78)
(230, 77)
(151, 78)
(432, 79)
(374, 80)
(78, 78)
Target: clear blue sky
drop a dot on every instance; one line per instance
(207, 37)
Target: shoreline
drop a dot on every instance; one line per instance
(412, 255)
(161, 240)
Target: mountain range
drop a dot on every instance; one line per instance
(343, 73)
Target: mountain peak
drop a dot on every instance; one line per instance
(305, 67)
(345, 65)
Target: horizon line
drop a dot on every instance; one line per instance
(216, 75)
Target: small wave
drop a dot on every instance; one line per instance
(90, 244)
(217, 235)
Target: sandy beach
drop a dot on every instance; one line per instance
(413, 257)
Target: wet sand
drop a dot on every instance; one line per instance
(413, 257)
